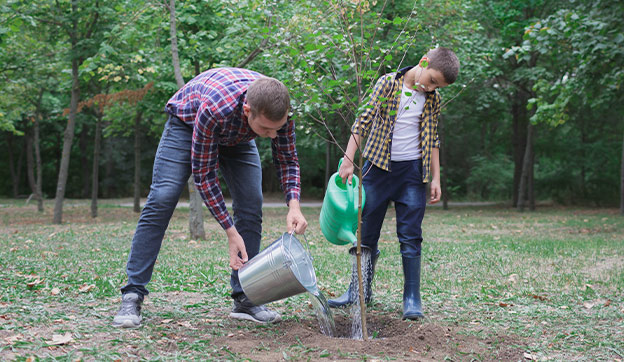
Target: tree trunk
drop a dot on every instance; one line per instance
(95, 169)
(67, 144)
(84, 160)
(622, 181)
(12, 172)
(109, 190)
(197, 67)
(174, 45)
(526, 165)
(30, 162)
(137, 161)
(328, 171)
(38, 178)
(68, 136)
(196, 212)
(531, 180)
(443, 178)
(518, 110)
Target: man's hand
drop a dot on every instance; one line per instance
(436, 192)
(346, 170)
(237, 245)
(295, 219)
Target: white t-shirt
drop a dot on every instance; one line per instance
(406, 133)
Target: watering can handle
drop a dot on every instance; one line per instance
(307, 243)
(350, 190)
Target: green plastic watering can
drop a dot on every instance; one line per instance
(339, 214)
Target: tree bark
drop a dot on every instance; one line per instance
(526, 165)
(38, 179)
(137, 161)
(531, 179)
(84, 160)
(30, 162)
(67, 144)
(95, 169)
(443, 178)
(622, 181)
(518, 110)
(174, 45)
(12, 172)
(196, 212)
(68, 136)
(328, 172)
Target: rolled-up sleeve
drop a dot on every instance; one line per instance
(205, 162)
(286, 161)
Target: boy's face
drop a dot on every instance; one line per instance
(429, 79)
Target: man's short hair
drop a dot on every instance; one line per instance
(445, 61)
(268, 97)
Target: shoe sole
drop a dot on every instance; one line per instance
(413, 317)
(245, 316)
(126, 324)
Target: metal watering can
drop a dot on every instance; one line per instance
(281, 270)
(339, 214)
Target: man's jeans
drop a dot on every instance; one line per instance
(405, 187)
(241, 169)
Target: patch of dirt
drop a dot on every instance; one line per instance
(393, 338)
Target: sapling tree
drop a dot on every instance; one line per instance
(335, 51)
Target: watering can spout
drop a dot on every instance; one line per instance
(347, 236)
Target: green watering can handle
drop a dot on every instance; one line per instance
(350, 191)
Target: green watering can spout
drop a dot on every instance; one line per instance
(345, 234)
(339, 214)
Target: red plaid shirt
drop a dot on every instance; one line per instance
(212, 103)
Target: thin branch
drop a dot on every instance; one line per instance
(260, 47)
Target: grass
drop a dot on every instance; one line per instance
(554, 278)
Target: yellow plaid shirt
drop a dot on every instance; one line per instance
(377, 122)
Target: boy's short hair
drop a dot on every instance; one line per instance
(445, 61)
(269, 97)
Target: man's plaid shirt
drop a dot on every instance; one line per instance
(377, 122)
(212, 103)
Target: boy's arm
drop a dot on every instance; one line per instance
(347, 168)
(436, 190)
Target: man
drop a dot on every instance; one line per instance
(212, 123)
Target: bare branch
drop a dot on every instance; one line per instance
(260, 47)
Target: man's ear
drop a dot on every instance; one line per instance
(246, 109)
(424, 62)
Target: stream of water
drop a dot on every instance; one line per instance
(355, 312)
(323, 313)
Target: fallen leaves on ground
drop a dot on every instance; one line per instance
(86, 288)
(60, 339)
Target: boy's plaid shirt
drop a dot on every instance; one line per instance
(377, 122)
(212, 104)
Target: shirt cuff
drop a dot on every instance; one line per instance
(293, 194)
(227, 223)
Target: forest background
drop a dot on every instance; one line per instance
(536, 113)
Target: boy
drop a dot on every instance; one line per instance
(402, 152)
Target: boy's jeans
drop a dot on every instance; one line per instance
(405, 187)
(241, 169)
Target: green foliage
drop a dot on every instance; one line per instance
(560, 62)
(490, 177)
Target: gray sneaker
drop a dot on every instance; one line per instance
(129, 314)
(245, 309)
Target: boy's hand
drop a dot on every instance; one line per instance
(436, 192)
(346, 170)
(236, 245)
